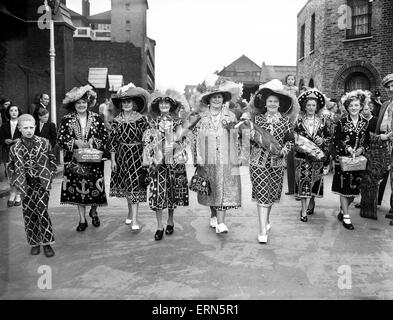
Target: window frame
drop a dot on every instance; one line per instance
(302, 41)
(350, 32)
(312, 33)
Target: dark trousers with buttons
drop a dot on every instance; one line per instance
(38, 225)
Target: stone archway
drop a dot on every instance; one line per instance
(355, 67)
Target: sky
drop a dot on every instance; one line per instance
(195, 38)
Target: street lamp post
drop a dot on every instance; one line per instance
(52, 7)
(52, 57)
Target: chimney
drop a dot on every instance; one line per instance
(85, 8)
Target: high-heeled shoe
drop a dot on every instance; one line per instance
(310, 211)
(95, 221)
(82, 226)
(158, 235)
(347, 224)
(262, 238)
(135, 227)
(35, 250)
(303, 219)
(169, 229)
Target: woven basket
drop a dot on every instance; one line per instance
(88, 155)
(353, 163)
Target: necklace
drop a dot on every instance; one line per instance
(216, 119)
(214, 114)
(310, 123)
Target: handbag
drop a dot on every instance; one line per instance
(144, 178)
(200, 184)
(353, 163)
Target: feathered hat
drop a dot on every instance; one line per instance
(362, 95)
(289, 105)
(168, 96)
(312, 94)
(139, 95)
(214, 84)
(76, 94)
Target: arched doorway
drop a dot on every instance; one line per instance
(355, 74)
(357, 80)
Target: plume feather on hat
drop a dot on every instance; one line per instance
(175, 98)
(130, 91)
(77, 93)
(214, 84)
(125, 88)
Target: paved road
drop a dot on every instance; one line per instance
(301, 260)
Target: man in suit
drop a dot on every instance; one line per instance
(44, 128)
(377, 103)
(43, 103)
(384, 126)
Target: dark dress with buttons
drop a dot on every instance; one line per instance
(83, 183)
(346, 183)
(309, 172)
(169, 183)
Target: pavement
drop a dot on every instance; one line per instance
(319, 259)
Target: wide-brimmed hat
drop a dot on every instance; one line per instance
(139, 95)
(205, 97)
(76, 94)
(288, 102)
(387, 79)
(214, 84)
(158, 96)
(312, 94)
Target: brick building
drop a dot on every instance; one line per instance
(244, 70)
(249, 73)
(344, 45)
(24, 50)
(111, 48)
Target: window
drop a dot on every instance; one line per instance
(311, 83)
(103, 26)
(312, 34)
(302, 36)
(128, 6)
(128, 25)
(361, 19)
(301, 84)
(357, 80)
